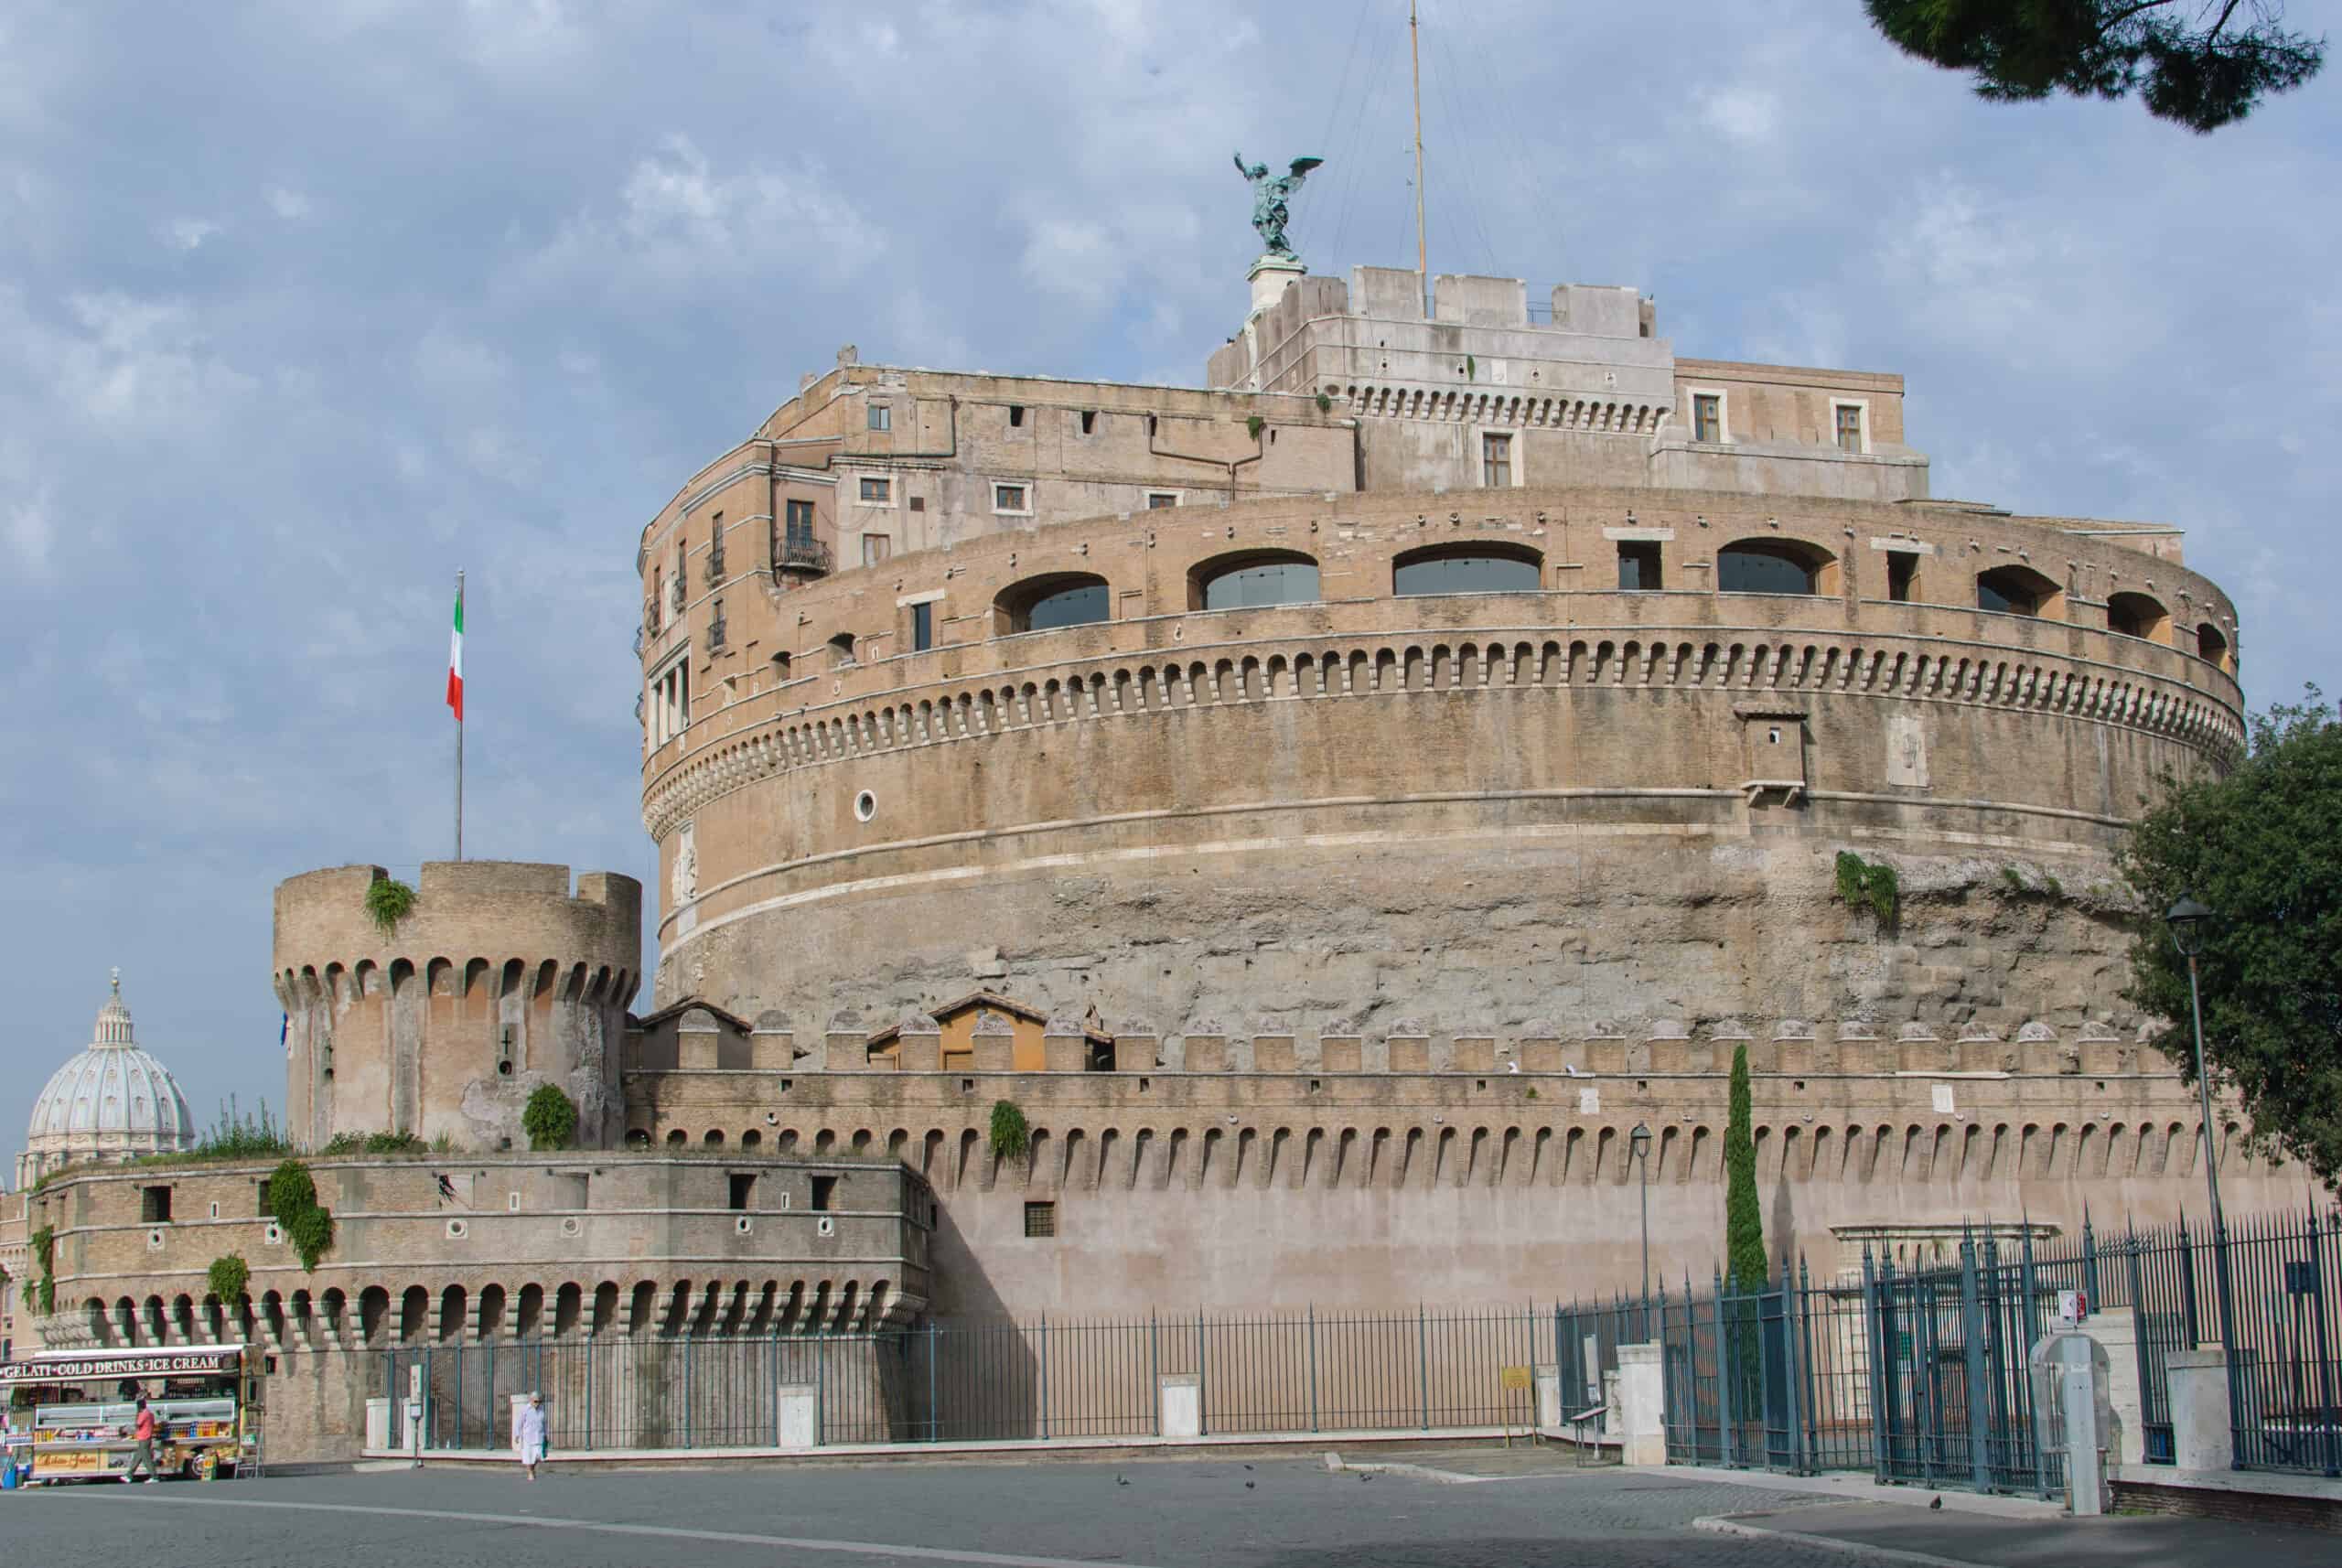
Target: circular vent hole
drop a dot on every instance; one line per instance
(866, 806)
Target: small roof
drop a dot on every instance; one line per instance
(693, 1004)
(994, 1001)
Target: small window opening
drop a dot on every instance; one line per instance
(1016, 416)
(882, 416)
(922, 628)
(1707, 417)
(780, 666)
(1902, 575)
(155, 1204)
(1150, 427)
(842, 646)
(1040, 1219)
(1850, 428)
(1101, 1056)
(1639, 564)
(879, 492)
(1158, 499)
(743, 1188)
(825, 1189)
(1496, 461)
(1088, 422)
(1011, 498)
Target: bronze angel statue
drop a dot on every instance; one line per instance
(1270, 213)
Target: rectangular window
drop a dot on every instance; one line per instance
(743, 1188)
(1016, 416)
(877, 547)
(1088, 422)
(1040, 1219)
(715, 550)
(1158, 499)
(1011, 498)
(882, 417)
(877, 492)
(922, 628)
(155, 1204)
(1496, 461)
(1639, 564)
(1850, 427)
(825, 1191)
(800, 524)
(1902, 575)
(1707, 417)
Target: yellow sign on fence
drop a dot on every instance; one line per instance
(1514, 1379)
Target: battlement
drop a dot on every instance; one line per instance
(499, 978)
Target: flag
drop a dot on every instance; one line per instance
(456, 660)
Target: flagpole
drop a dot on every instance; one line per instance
(459, 733)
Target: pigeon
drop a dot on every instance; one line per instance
(1936, 1504)
(1248, 1485)
(1248, 1467)
(1119, 1481)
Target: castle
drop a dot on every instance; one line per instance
(1339, 807)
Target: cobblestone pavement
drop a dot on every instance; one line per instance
(1283, 1513)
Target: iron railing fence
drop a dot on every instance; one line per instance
(951, 1382)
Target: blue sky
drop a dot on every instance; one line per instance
(301, 306)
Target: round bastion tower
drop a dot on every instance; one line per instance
(497, 980)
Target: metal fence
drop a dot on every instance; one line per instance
(949, 1381)
(1922, 1374)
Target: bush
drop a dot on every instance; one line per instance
(1010, 1134)
(1870, 884)
(239, 1136)
(374, 1143)
(44, 1250)
(293, 1204)
(227, 1278)
(550, 1118)
(388, 901)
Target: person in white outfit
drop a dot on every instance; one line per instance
(528, 1433)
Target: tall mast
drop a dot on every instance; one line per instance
(1423, 249)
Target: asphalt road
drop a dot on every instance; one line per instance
(1286, 1513)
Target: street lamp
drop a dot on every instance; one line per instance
(1639, 1142)
(2188, 919)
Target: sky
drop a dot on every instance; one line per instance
(304, 306)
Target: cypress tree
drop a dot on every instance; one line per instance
(1744, 1233)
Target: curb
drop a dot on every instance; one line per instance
(1734, 1525)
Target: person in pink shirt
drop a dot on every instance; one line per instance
(144, 1433)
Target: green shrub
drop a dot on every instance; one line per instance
(373, 1143)
(1010, 1134)
(550, 1118)
(293, 1203)
(227, 1278)
(1325, 404)
(1870, 884)
(1254, 426)
(241, 1136)
(388, 901)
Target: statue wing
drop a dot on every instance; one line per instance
(1302, 166)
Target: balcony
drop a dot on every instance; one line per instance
(805, 557)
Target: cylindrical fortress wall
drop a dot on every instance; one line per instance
(1571, 799)
(498, 981)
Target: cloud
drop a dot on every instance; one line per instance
(188, 233)
(288, 205)
(1745, 113)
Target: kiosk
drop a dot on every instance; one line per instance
(72, 1411)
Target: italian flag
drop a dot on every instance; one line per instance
(456, 660)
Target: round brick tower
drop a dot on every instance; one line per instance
(499, 980)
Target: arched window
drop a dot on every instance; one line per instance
(1251, 578)
(1476, 568)
(2018, 591)
(1775, 567)
(1058, 598)
(842, 647)
(2135, 615)
(2214, 646)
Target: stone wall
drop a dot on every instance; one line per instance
(498, 980)
(1269, 1171)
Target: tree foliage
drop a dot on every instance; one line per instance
(550, 1118)
(2263, 848)
(1744, 1223)
(2200, 63)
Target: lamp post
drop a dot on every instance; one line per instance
(1638, 1144)
(2186, 919)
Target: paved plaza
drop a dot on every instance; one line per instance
(1281, 1513)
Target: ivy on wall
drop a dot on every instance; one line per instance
(44, 1248)
(388, 901)
(1870, 884)
(293, 1204)
(227, 1278)
(1011, 1136)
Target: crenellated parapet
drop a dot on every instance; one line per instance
(500, 979)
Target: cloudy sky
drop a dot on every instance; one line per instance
(304, 306)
